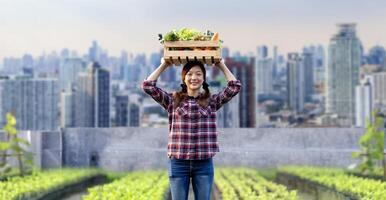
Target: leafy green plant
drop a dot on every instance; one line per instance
(42, 182)
(185, 34)
(340, 181)
(372, 145)
(245, 183)
(138, 185)
(16, 146)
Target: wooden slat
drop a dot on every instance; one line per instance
(191, 54)
(192, 44)
(208, 60)
(180, 57)
(178, 61)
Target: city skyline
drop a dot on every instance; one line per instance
(46, 26)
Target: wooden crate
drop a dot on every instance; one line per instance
(208, 52)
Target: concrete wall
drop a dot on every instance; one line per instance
(144, 148)
(46, 147)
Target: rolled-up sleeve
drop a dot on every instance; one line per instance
(232, 89)
(159, 95)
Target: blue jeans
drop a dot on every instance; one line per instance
(201, 172)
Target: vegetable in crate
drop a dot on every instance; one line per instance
(182, 45)
(186, 34)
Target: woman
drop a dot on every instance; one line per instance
(192, 126)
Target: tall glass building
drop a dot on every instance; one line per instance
(342, 74)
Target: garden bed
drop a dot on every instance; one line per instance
(316, 190)
(375, 177)
(42, 184)
(335, 179)
(67, 190)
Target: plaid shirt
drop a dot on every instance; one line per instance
(192, 128)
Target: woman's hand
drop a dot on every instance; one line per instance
(165, 63)
(220, 64)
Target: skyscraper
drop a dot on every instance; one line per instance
(68, 72)
(92, 97)
(295, 83)
(308, 76)
(377, 81)
(127, 109)
(34, 102)
(342, 74)
(264, 72)
(67, 108)
(377, 56)
(121, 110)
(262, 52)
(363, 104)
(244, 69)
(94, 52)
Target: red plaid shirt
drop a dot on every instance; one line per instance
(192, 128)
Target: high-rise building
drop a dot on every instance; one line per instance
(308, 76)
(264, 72)
(68, 71)
(264, 77)
(377, 56)
(67, 109)
(121, 110)
(94, 52)
(274, 63)
(363, 104)
(318, 62)
(92, 97)
(123, 63)
(127, 110)
(295, 83)
(135, 110)
(342, 74)
(262, 52)
(34, 102)
(244, 69)
(12, 65)
(378, 85)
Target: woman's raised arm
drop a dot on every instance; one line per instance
(228, 74)
(157, 72)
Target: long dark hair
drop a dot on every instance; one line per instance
(181, 95)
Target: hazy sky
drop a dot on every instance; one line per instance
(37, 26)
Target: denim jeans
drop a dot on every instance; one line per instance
(200, 171)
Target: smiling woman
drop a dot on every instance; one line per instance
(192, 126)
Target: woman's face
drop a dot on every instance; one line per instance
(194, 78)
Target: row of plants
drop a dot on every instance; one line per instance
(42, 182)
(340, 181)
(244, 183)
(139, 185)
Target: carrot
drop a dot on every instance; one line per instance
(215, 37)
